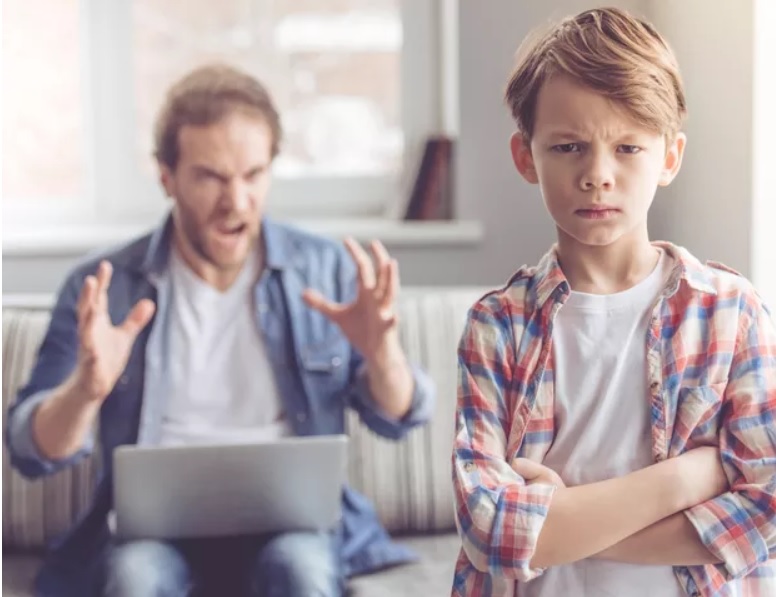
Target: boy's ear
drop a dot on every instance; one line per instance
(673, 159)
(522, 157)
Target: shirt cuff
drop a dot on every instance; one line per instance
(728, 531)
(419, 412)
(22, 443)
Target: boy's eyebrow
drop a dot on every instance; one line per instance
(565, 134)
(575, 135)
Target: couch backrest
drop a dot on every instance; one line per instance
(408, 481)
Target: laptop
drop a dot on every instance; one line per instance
(172, 492)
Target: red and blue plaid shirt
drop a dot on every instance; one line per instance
(711, 366)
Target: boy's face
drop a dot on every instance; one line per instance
(598, 170)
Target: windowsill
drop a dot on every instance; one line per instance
(79, 240)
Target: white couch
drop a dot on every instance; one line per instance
(409, 482)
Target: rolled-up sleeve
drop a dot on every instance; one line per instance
(420, 410)
(55, 361)
(739, 526)
(499, 517)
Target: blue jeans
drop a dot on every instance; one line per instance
(286, 565)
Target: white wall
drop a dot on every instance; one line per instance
(709, 207)
(763, 240)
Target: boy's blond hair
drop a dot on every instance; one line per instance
(611, 52)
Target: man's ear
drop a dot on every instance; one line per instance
(522, 157)
(673, 160)
(166, 179)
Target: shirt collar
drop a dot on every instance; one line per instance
(550, 282)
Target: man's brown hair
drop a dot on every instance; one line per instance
(204, 97)
(611, 52)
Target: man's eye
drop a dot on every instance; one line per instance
(630, 149)
(254, 175)
(566, 148)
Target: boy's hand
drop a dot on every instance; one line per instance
(702, 475)
(533, 472)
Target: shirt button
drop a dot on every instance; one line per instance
(124, 380)
(301, 417)
(469, 467)
(336, 361)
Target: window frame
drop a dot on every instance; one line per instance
(118, 192)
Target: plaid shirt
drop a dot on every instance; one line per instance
(711, 353)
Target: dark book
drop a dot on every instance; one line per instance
(431, 197)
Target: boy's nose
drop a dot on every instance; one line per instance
(597, 175)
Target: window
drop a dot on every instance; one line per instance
(355, 81)
(44, 159)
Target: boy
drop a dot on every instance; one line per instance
(615, 403)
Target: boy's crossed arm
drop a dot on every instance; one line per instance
(584, 517)
(516, 520)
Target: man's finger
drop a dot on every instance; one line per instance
(383, 281)
(104, 275)
(85, 328)
(391, 286)
(366, 272)
(138, 317)
(86, 298)
(315, 300)
(383, 262)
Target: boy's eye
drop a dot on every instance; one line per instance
(630, 149)
(566, 148)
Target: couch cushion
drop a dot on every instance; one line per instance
(35, 512)
(432, 575)
(18, 574)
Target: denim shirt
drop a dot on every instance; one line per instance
(318, 374)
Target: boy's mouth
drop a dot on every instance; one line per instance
(599, 212)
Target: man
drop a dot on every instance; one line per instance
(219, 326)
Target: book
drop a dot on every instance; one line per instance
(432, 192)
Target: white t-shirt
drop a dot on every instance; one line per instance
(602, 420)
(222, 387)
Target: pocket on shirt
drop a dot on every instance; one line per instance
(325, 368)
(699, 408)
(326, 362)
(322, 359)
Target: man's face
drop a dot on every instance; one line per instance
(597, 168)
(219, 186)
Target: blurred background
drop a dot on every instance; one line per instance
(361, 85)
